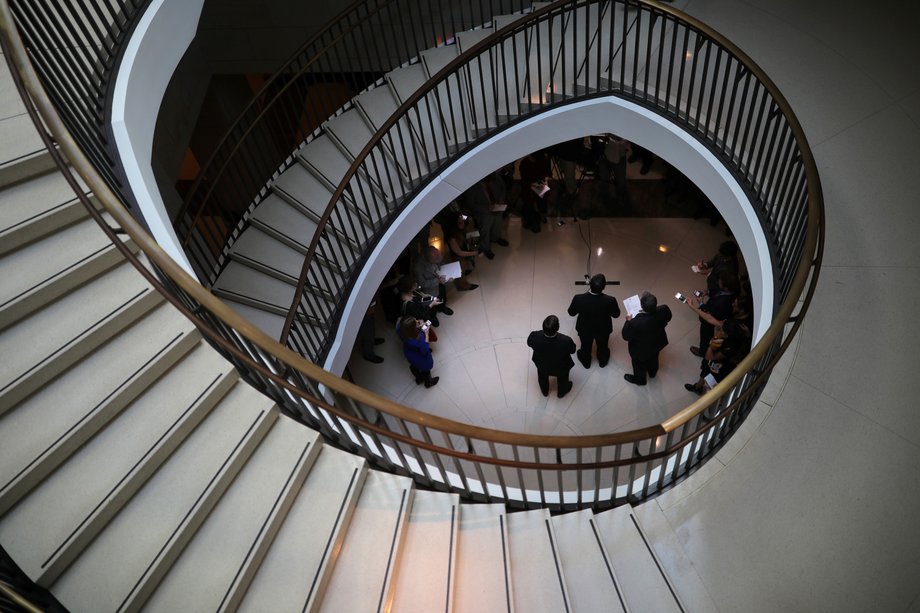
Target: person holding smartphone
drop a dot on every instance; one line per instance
(417, 350)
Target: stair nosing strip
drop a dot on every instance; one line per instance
(189, 515)
(279, 500)
(140, 462)
(352, 483)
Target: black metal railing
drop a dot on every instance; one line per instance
(350, 55)
(563, 53)
(560, 473)
(75, 46)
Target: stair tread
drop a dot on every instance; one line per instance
(38, 525)
(242, 280)
(377, 105)
(269, 323)
(277, 214)
(536, 572)
(204, 576)
(66, 320)
(38, 262)
(18, 140)
(425, 574)
(587, 576)
(364, 567)
(641, 581)
(325, 158)
(300, 184)
(406, 80)
(31, 199)
(102, 578)
(482, 580)
(300, 558)
(256, 245)
(50, 418)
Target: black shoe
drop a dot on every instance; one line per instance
(489, 255)
(447, 310)
(651, 374)
(697, 352)
(378, 341)
(601, 364)
(545, 392)
(630, 378)
(585, 363)
(501, 242)
(435, 322)
(692, 388)
(432, 381)
(563, 391)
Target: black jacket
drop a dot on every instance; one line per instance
(552, 354)
(594, 312)
(645, 333)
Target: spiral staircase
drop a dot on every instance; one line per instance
(202, 494)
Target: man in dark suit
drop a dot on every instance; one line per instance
(646, 337)
(595, 310)
(552, 353)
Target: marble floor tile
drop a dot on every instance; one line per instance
(485, 369)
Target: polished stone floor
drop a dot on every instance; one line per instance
(481, 357)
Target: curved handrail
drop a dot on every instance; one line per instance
(815, 201)
(335, 406)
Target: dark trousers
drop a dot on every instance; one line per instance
(603, 348)
(420, 375)
(562, 381)
(366, 335)
(644, 368)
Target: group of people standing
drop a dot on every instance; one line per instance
(725, 314)
(595, 311)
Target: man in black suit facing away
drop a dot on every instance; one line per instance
(646, 337)
(552, 353)
(595, 310)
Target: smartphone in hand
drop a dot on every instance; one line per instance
(680, 297)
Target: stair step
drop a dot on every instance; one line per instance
(120, 458)
(216, 567)
(41, 432)
(263, 253)
(447, 99)
(269, 323)
(35, 208)
(478, 90)
(301, 188)
(370, 552)
(483, 580)
(376, 106)
(286, 223)
(329, 163)
(350, 131)
(641, 581)
(243, 284)
(536, 570)
(427, 565)
(41, 271)
(71, 327)
(427, 125)
(22, 152)
(163, 516)
(298, 564)
(589, 575)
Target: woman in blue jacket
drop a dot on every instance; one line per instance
(417, 351)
